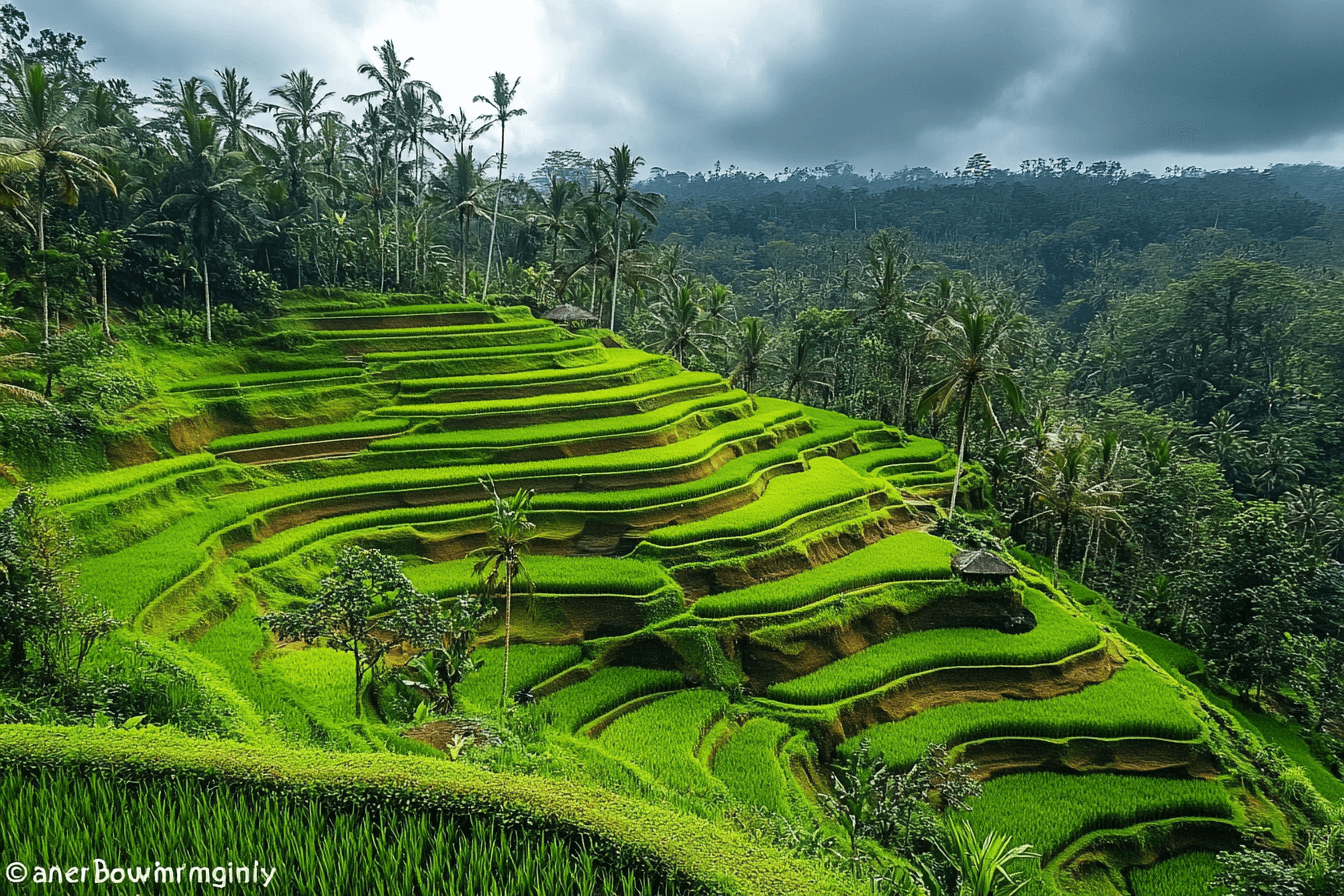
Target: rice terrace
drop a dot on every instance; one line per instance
(380, 520)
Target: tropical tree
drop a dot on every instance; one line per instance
(206, 200)
(972, 344)
(500, 102)
(617, 174)
(343, 613)
(43, 133)
(501, 560)
(556, 213)
(461, 192)
(234, 108)
(106, 248)
(678, 320)
(753, 348)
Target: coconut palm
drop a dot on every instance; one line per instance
(390, 75)
(618, 176)
(204, 202)
(501, 560)
(500, 102)
(971, 344)
(679, 318)
(461, 191)
(557, 208)
(43, 132)
(587, 243)
(753, 348)
(233, 108)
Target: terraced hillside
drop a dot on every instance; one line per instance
(729, 592)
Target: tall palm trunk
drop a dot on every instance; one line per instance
(494, 220)
(508, 629)
(42, 254)
(396, 218)
(963, 429)
(462, 256)
(382, 255)
(616, 275)
(107, 325)
(209, 314)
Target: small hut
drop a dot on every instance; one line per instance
(570, 316)
(981, 568)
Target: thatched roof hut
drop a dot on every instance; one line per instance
(570, 315)
(981, 567)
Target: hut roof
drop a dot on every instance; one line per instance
(980, 563)
(569, 314)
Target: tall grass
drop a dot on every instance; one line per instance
(1184, 875)
(550, 575)
(620, 361)
(1052, 810)
(663, 736)
(65, 819)
(572, 707)
(908, 555)
(1057, 635)
(270, 378)
(1135, 702)
(916, 450)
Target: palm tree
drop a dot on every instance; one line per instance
(1064, 490)
(390, 76)
(588, 244)
(300, 103)
(719, 311)
(233, 107)
(753, 346)
(107, 248)
(501, 102)
(618, 176)
(971, 344)
(804, 364)
(555, 215)
(502, 559)
(678, 318)
(203, 203)
(461, 192)
(43, 131)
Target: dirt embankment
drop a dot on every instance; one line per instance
(765, 665)
(1131, 755)
(393, 321)
(301, 450)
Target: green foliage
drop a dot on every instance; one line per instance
(82, 488)
(529, 665)
(663, 738)
(749, 763)
(603, 691)
(1057, 634)
(909, 555)
(347, 429)
(1181, 875)
(270, 379)
(1134, 702)
(1051, 810)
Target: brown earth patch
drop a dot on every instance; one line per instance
(190, 434)
(765, 665)
(129, 452)
(994, 757)
(571, 618)
(440, 735)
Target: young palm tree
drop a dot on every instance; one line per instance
(502, 559)
(971, 344)
(618, 175)
(501, 102)
(43, 131)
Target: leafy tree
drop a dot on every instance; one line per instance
(617, 174)
(348, 612)
(1256, 873)
(449, 636)
(753, 343)
(43, 131)
(501, 560)
(500, 101)
(49, 624)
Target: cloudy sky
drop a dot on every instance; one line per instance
(769, 84)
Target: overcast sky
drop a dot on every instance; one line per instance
(777, 83)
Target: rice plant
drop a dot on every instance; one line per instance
(1167, 654)
(1184, 875)
(82, 488)
(345, 429)
(914, 450)
(1134, 702)
(1057, 635)
(902, 557)
(620, 362)
(749, 765)
(607, 688)
(550, 575)
(663, 736)
(529, 665)
(303, 378)
(826, 483)
(1051, 810)
(64, 819)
